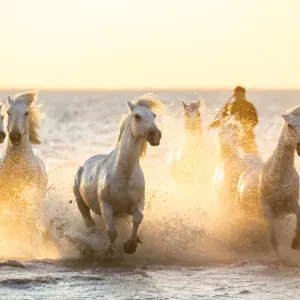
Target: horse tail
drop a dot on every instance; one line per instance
(78, 176)
(76, 187)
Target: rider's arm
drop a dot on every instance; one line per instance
(253, 118)
(216, 123)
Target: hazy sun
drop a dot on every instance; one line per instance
(133, 43)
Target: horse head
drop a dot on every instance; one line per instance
(142, 122)
(292, 123)
(192, 116)
(23, 118)
(230, 135)
(2, 133)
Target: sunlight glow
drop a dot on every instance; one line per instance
(132, 43)
(218, 175)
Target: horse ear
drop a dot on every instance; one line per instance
(289, 119)
(199, 103)
(10, 101)
(184, 104)
(131, 106)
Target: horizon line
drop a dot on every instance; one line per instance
(158, 89)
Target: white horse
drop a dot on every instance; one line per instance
(2, 133)
(233, 161)
(274, 187)
(114, 184)
(23, 178)
(187, 165)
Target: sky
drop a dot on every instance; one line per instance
(107, 44)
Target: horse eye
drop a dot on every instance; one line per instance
(137, 117)
(26, 114)
(154, 116)
(2, 117)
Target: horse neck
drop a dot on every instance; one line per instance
(192, 128)
(193, 131)
(127, 153)
(284, 155)
(231, 155)
(18, 153)
(232, 152)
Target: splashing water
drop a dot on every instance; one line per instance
(182, 223)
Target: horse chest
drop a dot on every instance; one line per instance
(17, 177)
(280, 194)
(19, 187)
(122, 196)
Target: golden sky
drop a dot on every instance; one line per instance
(142, 43)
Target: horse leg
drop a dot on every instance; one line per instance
(108, 217)
(131, 245)
(86, 214)
(271, 225)
(296, 239)
(83, 208)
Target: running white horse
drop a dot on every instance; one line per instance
(2, 133)
(233, 161)
(23, 178)
(274, 187)
(187, 165)
(114, 184)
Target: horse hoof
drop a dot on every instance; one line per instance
(295, 244)
(110, 250)
(130, 246)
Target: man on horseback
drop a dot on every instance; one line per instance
(245, 113)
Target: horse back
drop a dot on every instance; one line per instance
(87, 179)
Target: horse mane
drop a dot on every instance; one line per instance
(149, 101)
(294, 111)
(34, 114)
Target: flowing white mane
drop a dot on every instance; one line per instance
(149, 101)
(34, 114)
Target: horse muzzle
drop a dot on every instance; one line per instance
(15, 138)
(154, 137)
(298, 149)
(2, 136)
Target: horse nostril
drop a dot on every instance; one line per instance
(2, 135)
(152, 133)
(15, 136)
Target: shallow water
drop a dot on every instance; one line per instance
(188, 250)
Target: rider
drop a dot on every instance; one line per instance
(245, 113)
